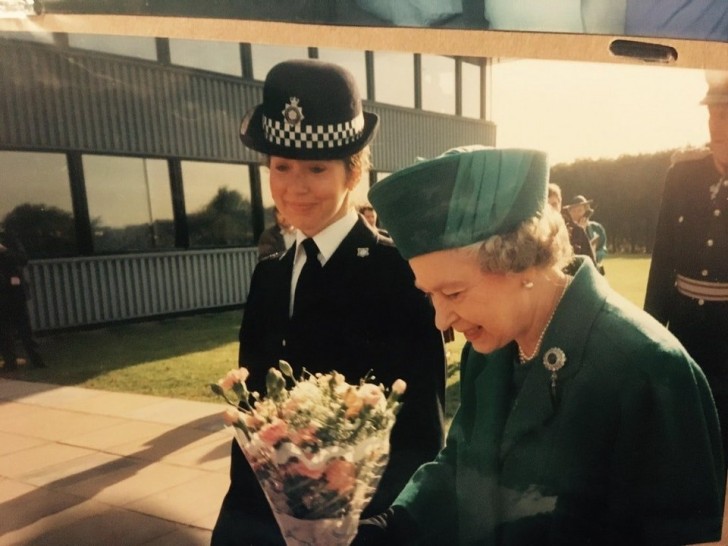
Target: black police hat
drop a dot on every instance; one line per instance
(310, 110)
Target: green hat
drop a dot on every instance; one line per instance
(461, 197)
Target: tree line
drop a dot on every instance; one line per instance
(626, 191)
(49, 232)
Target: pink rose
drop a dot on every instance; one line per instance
(231, 416)
(239, 375)
(303, 436)
(340, 476)
(253, 422)
(273, 432)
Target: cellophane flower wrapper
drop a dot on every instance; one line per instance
(318, 448)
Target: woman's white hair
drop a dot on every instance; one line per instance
(541, 242)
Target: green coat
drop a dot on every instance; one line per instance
(628, 452)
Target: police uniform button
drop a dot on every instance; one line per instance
(716, 212)
(704, 272)
(710, 242)
(680, 219)
(701, 302)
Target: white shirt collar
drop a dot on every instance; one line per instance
(328, 239)
(289, 237)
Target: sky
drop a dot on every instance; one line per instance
(575, 110)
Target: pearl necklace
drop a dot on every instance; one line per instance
(522, 356)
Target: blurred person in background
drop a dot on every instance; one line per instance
(554, 196)
(277, 238)
(598, 239)
(369, 214)
(14, 317)
(576, 216)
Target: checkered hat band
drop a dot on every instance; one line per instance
(320, 137)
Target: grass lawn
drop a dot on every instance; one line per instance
(174, 357)
(628, 275)
(179, 357)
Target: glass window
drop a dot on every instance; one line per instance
(129, 202)
(394, 78)
(353, 61)
(438, 84)
(219, 209)
(266, 57)
(129, 46)
(36, 203)
(221, 57)
(471, 90)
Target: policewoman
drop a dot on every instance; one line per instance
(582, 420)
(687, 288)
(342, 298)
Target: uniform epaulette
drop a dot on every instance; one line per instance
(384, 238)
(689, 154)
(275, 256)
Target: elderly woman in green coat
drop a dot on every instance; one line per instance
(582, 420)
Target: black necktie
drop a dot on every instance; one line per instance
(307, 280)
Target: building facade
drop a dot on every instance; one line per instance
(123, 176)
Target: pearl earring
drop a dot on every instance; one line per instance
(527, 284)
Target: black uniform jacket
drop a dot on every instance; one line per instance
(369, 317)
(13, 286)
(578, 238)
(692, 240)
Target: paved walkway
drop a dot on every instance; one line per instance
(87, 467)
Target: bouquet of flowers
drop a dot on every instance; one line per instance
(317, 444)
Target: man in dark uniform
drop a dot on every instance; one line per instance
(687, 288)
(576, 215)
(14, 318)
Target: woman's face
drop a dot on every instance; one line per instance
(311, 194)
(485, 307)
